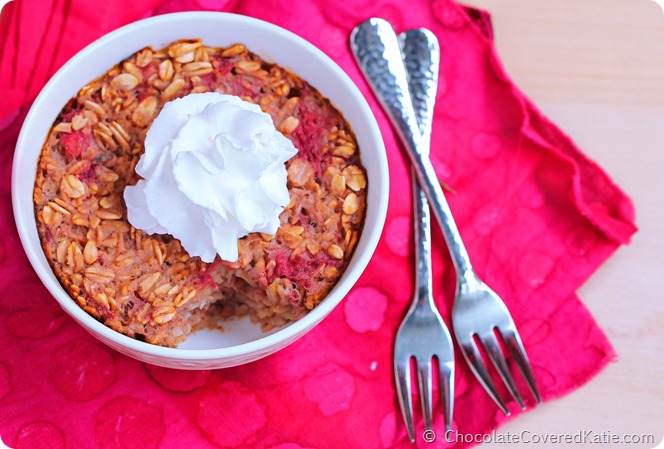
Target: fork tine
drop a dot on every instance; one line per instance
(446, 380)
(513, 342)
(424, 382)
(402, 375)
(474, 359)
(492, 347)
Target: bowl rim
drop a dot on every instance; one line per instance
(286, 334)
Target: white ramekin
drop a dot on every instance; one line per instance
(241, 342)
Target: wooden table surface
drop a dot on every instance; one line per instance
(596, 68)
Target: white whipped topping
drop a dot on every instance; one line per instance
(213, 171)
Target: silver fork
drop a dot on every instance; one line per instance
(422, 334)
(477, 311)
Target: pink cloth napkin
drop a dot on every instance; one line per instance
(537, 215)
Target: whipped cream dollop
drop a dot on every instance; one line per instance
(213, 171)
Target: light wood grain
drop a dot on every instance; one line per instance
(596, 68)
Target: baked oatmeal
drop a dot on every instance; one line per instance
(147, 286)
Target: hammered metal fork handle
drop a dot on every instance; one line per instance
(421, 56)
(376, 49)
(422, 222)
(420, 52)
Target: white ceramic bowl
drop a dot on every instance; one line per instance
(241, 342)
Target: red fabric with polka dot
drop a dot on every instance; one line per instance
(537, 215)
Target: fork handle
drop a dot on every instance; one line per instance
(422, 222)
(420, 53)
(376, 49)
